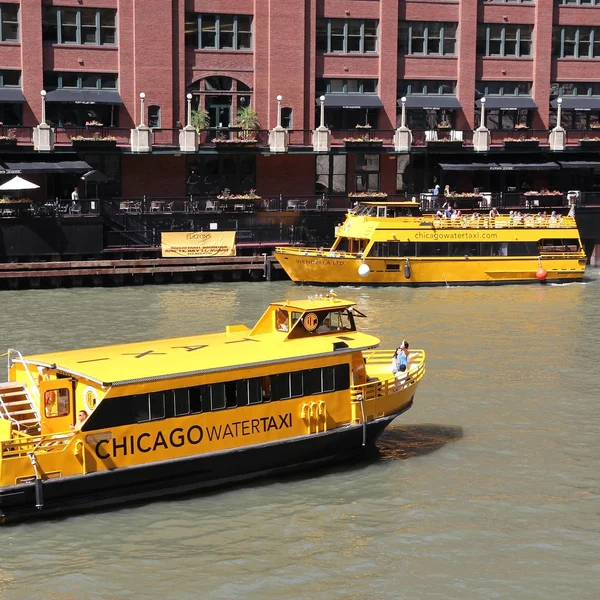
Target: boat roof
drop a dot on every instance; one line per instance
(236, 348)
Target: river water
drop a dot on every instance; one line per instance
(487, 488)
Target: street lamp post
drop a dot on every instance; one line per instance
(559, 102)
(322, 100)
(43, 95)
(482, 124)
(279, 99)
(189, 110)
(142, 96)
(403, 113)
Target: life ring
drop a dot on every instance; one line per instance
(49, 398)
(90, 398)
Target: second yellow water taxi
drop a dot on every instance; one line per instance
(392, 243)
(100, 426)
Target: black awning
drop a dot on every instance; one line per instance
(64, 166)
(468, 166)
(546, 166)
(85, 96)
(352, 101)
(508, 102)
(11, 95)
(579, 164)
(578, 102)
(431, 101)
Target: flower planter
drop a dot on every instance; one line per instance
(9, 142)
(367, 198)
(94, 144)
(362, 145)
(448, 144)
(236, 144)
(593, 144)
(521, 145)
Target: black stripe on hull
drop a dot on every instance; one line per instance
(441, 283)
(173, 477)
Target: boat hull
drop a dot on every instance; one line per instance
(326, 270)
(167, 478)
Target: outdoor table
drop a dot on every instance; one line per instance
(543, 200)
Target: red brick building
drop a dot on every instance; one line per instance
(94, 57)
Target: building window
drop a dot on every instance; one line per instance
(98, 81)
(154, 116)
(367, 172)
(218, 32)
(504, 40)
(9, 22)
(347, 35)
(88, 26)
(587, 88)
(346, 86)
(420, 37)
(286, 117)
(66, 114)
(584, 118)
(576, 42)
(10, 78)
(331, 174)
(408, 87)
(504, 119)
(579, 2)
(502, 88)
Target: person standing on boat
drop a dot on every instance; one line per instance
(436, 193)
(403, 357)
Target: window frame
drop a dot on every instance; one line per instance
(485, 38)
(3, 5)
(331, 173)
(406, 28)
(559, 35)
(79, 26)
(329, 22)
(198, 45)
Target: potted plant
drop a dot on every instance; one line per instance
(593, 142)
(446, 142)
(521, 143)
(200, 120)
(95, 141)
(444, 125)
(367, 194)
(9, 139)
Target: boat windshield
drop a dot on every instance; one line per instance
(324, 322)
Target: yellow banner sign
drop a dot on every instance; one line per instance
(198, 243)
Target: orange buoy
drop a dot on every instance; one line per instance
(541, 274)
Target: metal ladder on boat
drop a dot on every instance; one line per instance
(17, 406)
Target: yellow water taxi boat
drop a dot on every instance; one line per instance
(98, 426)
(392, 243)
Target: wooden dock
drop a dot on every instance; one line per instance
(136, 271)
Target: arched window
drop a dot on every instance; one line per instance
(286, 117)
(222, 97)
(154, 116)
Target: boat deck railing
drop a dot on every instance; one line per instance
(22, 444)
(380, 387)
(528, 221)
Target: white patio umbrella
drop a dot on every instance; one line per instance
(17, 184)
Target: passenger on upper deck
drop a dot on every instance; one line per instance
(494, 213)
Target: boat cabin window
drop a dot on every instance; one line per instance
(384, 249)
(310, 382)
(56, 403)
(282, 320)
(126, 410)
(559, 245)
